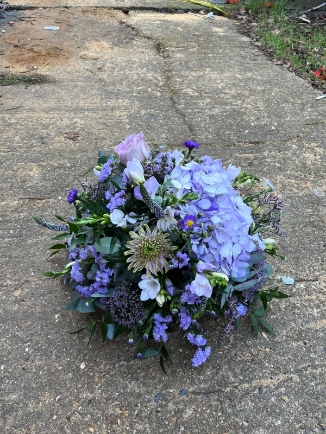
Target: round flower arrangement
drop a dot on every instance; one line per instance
(163, 238)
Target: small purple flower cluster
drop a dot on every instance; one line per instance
(106, 170)
(116, 200)
(160, 326)
(203, 352)
(181, 260)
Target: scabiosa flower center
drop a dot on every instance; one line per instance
(149, 250)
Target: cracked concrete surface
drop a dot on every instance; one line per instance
(174, 76)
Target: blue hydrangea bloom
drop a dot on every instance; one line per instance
(223, 219)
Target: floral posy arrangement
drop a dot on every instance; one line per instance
(164, 238)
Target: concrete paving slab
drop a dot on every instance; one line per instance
(174, 77)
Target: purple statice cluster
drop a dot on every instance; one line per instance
(220, 231)
(116, 200)
(160, 327)
(125, 306)
(102, 278)
(187, 297)
(203, 352)
(85, 258)
(106, 170)
(185, 318)
(181, 260)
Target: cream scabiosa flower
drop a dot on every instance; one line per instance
(149, 250)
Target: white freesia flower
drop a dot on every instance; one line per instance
(168, 220)
(150, 287)
(134, 171)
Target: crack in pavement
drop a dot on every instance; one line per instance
(161, 50)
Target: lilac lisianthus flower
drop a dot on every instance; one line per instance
(134, 171)
(72, 196)
(134, 146)
(201, 286)
(150, 287)
(151, 186)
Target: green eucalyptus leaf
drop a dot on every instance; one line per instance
(84, 308)
(72, 305)
(268, 270)
(105, 245)
(255, 258)
(150, 352)
(246, 285)
(111, 331)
